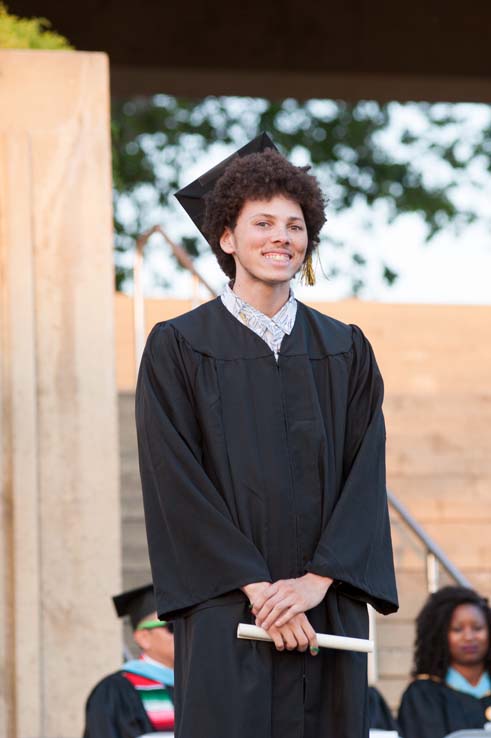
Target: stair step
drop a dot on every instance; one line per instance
(392, 689)
(394, 632)
(395, 662)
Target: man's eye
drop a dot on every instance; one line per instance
(262, 223)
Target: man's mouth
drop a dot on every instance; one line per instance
(277, 256)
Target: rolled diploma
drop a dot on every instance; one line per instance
(325, 640)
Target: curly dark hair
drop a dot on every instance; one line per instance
(260, 176)
(431, 652)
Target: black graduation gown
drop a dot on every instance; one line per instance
(380, 716)
(114, 710)
(258, 470)
(430, 709)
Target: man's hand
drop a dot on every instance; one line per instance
(276, 604)
(296, 634)
(256, 591)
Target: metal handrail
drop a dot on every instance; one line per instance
(435, 556)
(138, 299)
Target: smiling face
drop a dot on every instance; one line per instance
(468, 636)
(268, 243)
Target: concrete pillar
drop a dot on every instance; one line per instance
(59, 508)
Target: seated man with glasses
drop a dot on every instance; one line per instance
(138, 698)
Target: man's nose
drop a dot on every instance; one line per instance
(281, 234)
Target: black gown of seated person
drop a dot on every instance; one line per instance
(257, 470)
(380, 716)
(114, 709)
(431, 709)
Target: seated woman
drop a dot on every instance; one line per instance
(452, 665)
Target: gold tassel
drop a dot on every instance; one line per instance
(308, 274)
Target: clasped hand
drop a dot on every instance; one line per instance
(280, 609)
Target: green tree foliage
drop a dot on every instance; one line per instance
(360, 154)
(28, 33)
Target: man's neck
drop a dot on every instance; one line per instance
(472, 673)
(159, 662)
(269, 299)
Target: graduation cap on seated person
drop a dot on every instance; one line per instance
(138, 604)
(192, 196)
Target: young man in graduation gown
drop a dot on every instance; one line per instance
(261, 443)
(138, 698)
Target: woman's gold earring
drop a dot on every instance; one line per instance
(308, 274)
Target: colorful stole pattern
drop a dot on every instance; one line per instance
(154, 696)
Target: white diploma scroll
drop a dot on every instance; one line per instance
(325, 640)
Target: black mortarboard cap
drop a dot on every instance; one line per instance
(192, 196)
(137, 603)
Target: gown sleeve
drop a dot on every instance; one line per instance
(355, 547)
(196, 552)
(422, 712)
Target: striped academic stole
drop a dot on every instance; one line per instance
(153, 694)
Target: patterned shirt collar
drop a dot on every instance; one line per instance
(271, 330)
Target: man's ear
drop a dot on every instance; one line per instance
(227, 243)
(141, 639)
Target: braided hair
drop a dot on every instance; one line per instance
(431, 651)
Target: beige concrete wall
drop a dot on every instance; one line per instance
(436, 361)
(155, 311)
(59, 524)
